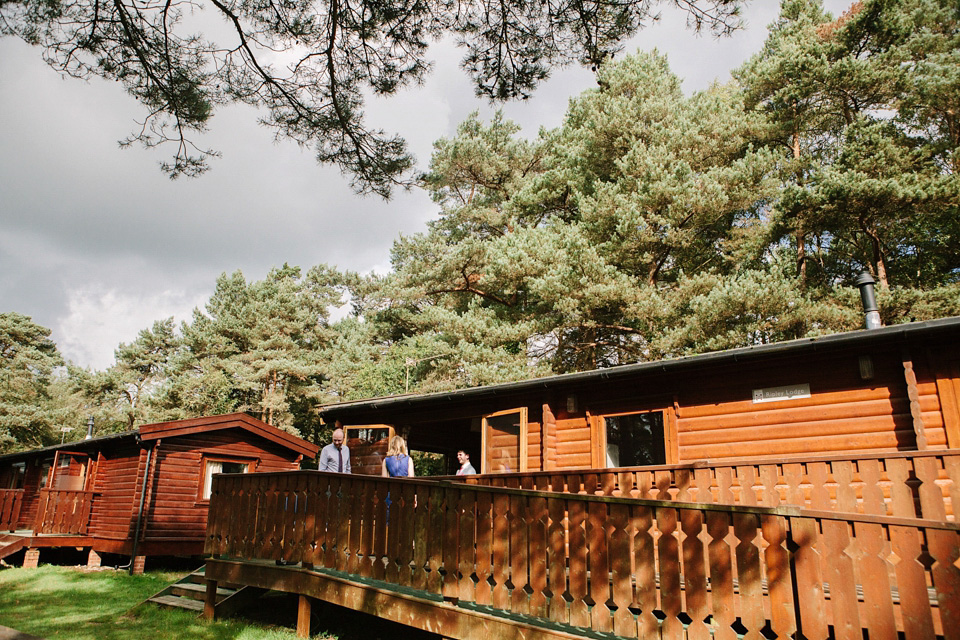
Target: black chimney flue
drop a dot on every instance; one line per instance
(871, 312)
(89, 428)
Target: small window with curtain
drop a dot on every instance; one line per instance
(213, 466)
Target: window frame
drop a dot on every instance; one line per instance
(602, 429)
(202, 489)
(485, 428)
(16, 476)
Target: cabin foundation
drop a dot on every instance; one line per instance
(31, 559)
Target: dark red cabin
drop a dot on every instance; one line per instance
(140, 493)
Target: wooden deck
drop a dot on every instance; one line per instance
(467, 559)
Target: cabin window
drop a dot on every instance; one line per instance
(220, 465)
(505, 441)
(45, 473)
(18, 472)
(635, 439)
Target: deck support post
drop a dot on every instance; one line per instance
(303, 617)
(210, 600)
(93, 559)
(137, 565)
(31, 559)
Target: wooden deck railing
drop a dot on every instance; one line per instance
(909, 484)
(631, 567)
(11, 501)
(64, 512)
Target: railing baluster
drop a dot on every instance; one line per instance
(912, 583)
(749, 576)
(944, 547)
(539, 520)
(722, 609)
(466, 545)
(668, 561)
(600, 614)
(776, 562)
(501, 550)
(645, 571)
(579, 610)
(484, 527)
(694, 574)
(877, 608)
(519, 558)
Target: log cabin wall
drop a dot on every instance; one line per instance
(120, 469)
(175, 509)
(894, 388)
(716, 416)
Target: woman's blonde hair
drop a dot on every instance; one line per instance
(398, 446)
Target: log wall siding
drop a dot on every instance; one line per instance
(175, 509)
(117, 487)
(573, 443)
(534, 439)
(716, 417)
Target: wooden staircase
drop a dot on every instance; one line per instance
(189, 593)
(10, 544)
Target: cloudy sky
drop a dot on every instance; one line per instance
(96, 243)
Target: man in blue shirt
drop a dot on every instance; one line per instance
(336, 455)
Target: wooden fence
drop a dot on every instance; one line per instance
(64, 512)
(11, 501)
(607, 564)
(910, 484)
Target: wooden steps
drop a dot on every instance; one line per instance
(10, 544)
(190, 591)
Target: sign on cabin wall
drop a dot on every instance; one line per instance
(787, 392)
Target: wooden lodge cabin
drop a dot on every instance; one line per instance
(798, 490)
(890, 389)
(140, 493)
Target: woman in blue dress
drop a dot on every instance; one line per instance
(398, 462)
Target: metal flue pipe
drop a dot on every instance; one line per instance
(871, 312)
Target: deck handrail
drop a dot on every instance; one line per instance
(11, 502)
(914, 484)
(64, 511)
(608, 564)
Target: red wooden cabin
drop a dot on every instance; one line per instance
(140, 493)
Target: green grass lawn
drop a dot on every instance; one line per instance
(74, 604)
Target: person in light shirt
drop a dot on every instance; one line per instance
(465, 467)
(336, 455)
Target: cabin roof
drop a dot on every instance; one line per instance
(175, 428)
(864, 338)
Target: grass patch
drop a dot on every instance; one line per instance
(72, 604)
